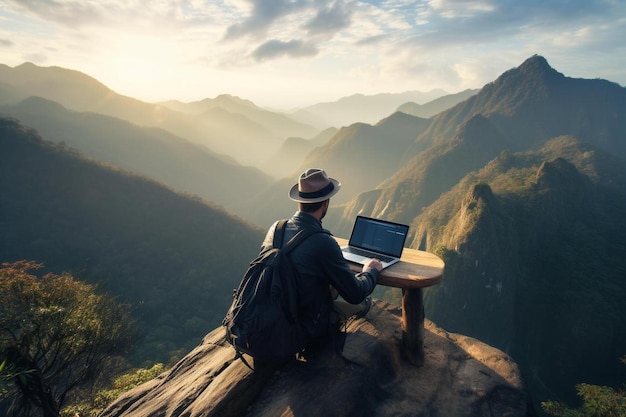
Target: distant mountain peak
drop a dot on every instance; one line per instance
(538, 65)
(40, 105)
(520, 88)
(535, 70)
(26, 64)
(536, 61)
(229, 98)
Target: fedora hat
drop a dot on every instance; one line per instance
(314, 186)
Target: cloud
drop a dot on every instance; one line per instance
(276, 49)
(330, 19)
(290, 28)
(77, 14)
(350, 45)
(372, 40)
(459, 20)
(72, 13)
(264, 14)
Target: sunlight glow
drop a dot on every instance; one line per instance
(288, 53)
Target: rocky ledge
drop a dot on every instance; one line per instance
(461, 377)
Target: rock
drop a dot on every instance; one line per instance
(461, 377)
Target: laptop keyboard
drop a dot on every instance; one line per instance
(367, 254)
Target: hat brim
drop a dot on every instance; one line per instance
(295, 195)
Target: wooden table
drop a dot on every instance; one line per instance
(416, 270)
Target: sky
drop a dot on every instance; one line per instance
(285, 54)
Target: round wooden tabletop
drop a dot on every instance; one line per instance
(416, 269)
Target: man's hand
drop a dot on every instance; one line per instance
(373, 264)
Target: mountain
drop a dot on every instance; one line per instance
(534, 102)
(521, 110)
(71, 88)
(175, 258)
(9, 94)
(152, 152)
(534, 257)
(293, 152)
(226, 130)
(428, 110)
(360, 108)
(280, 125)
(360, 156)
(521, 189)
(363, 155)
(433, 170)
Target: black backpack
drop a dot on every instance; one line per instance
(262, 320)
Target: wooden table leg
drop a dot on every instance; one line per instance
(413, 326)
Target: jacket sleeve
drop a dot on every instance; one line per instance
(269, 237)
(353, 288)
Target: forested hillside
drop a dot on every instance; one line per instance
(176, 258)
(534, 262)
(153, 152)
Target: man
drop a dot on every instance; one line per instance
(320, 264)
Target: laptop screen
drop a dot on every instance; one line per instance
(379, 236)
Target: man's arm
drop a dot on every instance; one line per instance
(353, 288)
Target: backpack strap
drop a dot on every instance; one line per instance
(279, 235)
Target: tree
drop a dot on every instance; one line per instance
(123, 383)
(55, 332)
(597, 401)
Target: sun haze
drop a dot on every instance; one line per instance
(284, 54)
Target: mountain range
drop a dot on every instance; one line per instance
(169, 254)
(520, 186)
(521, 189)
(360, 108)
(149, 151)
(230, 126)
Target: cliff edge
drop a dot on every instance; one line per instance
(461, 377)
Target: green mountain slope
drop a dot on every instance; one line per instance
(152, 152)
(363, 155)
(534, 262)
(175, 258)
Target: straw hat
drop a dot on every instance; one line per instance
(314, 186)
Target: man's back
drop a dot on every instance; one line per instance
(320, 265)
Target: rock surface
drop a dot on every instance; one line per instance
(461, 377)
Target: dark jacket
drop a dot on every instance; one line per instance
(320, 264)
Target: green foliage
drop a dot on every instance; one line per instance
(8, 375)
(598, 401)
(121, 384)
(55, 332)
(450, 258)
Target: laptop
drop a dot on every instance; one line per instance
(375, 238)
